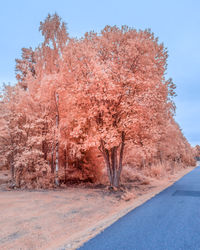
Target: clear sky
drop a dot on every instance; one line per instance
(175, 22)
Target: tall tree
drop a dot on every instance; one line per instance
(116, 86)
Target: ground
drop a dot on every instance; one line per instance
(65, 218)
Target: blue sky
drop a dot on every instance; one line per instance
(175, 22)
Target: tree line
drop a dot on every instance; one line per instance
(80, 102)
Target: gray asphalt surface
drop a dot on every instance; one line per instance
(169, 221)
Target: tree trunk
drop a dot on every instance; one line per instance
(56, 177)
(44, 149)
(52, 158)
(113, 159)
(57, 143)
(65, 164)
(12, 170)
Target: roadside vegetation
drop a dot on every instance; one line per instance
(97, 109)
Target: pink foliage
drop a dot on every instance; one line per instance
(81, 101)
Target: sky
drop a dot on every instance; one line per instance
(175, 22)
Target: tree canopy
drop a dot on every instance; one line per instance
(103, 92)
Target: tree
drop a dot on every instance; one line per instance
(115, 83)
(22, 134)
(33, 70)
(196, 151)
(45, 59)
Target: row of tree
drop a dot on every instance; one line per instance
(79, 101)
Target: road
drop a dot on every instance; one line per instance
(169, 221)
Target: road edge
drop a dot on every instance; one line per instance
(78, 239)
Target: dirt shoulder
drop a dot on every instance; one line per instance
(65, 219)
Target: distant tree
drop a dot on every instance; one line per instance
(196, 151)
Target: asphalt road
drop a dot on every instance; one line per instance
(169, 221)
